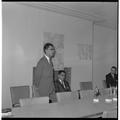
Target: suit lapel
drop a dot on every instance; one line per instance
(113, 76)
(47, 61)
(61, 84)
(64, 85)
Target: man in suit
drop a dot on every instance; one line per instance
(44, 74)
(61, 85)
(112, 78)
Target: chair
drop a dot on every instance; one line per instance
(35, 100)
(64, 96)
(110, 114)
(105, 92)
(75, 95)
(87, 94)
(17, 93)
(86, 85)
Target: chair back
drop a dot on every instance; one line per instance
(64, 96)
(75, 95)
(110, 114)
(105, 92)
(18, 92)
(86, 94)
(86, 85)
(35, 100)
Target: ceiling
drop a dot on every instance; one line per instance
(101, 13)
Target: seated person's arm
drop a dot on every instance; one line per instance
(107, 81)
(68, 87)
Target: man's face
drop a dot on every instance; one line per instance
(50, 51)
(61, 76)
(113, 70)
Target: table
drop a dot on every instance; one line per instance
(77, 108)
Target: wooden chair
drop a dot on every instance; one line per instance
(35, 100)
(86, 85)
(18, 92)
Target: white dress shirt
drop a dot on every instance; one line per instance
(62, 82)
(48, 59)
(113, 75)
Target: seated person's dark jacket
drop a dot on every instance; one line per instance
(60, 88)
(110, 81)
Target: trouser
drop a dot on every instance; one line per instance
(52, 97)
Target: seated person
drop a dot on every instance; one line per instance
(61, 85)
(112, 78)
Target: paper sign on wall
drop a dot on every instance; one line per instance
(85, 51)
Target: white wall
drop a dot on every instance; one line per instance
(22, 45)
(23, 28)
(105, 53)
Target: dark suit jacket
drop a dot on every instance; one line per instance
(60, 88)
(110, 81)
(44, 78)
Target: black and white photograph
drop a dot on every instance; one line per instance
(59, 59)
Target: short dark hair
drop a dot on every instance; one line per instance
(46, 46)
(61, 71)
(113, 67)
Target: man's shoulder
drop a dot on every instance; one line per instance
(57, 82)
(109, 74)
(42, 59)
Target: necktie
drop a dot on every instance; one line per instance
(63, 84)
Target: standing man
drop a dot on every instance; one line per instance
(112, 78)
(44, 74)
